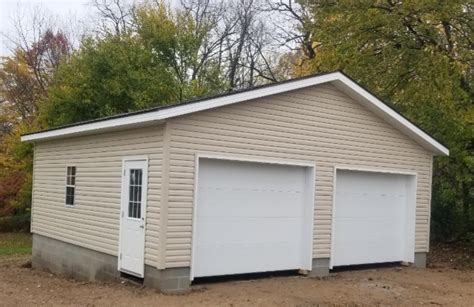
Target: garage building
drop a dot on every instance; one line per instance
(307, 174)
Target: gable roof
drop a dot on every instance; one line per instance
(159, 114)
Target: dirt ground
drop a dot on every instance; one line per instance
(439, 285)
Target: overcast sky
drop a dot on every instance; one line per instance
(61, 10)
(73, 17)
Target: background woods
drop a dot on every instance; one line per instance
(415, 55)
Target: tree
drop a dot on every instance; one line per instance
(295, 27)
(188, 40)
(24, 81)
(20, 91)
(249, 50)
(418, 56)
(210, 45)
(115, 16)
(27, 75)
(106, 76)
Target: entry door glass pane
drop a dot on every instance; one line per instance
(135, 193)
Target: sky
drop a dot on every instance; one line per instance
(72, 16)
(61, 11)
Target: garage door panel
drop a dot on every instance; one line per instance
(250, 218)
(255, 230)
(357, 205)
(355, 181)
(246, 258)
(369, 246)
(249, 203)
(234, 171)
(356, 259)
(368, 234)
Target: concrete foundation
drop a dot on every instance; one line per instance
(320, 267)
(420, 260)
(85, 264)
(72, 260)
(171, 280)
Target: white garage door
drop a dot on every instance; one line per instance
(251, 217)
(374, 218)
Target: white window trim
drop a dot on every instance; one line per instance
(66, 185)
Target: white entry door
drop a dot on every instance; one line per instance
(374, 218)
(252, 217)
(132, 226)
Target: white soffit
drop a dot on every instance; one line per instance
(337, 78)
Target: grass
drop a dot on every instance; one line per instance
(15, 243)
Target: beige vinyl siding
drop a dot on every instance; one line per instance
(94, 220)
(319, 124)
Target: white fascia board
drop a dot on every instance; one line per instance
(90, 127)
(178, 110)
(392, 116)
(350, 87)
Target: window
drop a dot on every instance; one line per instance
(70, 185)
(135, 194)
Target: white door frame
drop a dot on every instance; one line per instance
(410, 245)
(122, 209)
(310, 199)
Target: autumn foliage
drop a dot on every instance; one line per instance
(11, 186)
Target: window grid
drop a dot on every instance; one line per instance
(135, 194)
(70, 185)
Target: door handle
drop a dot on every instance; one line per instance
(142, 226)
